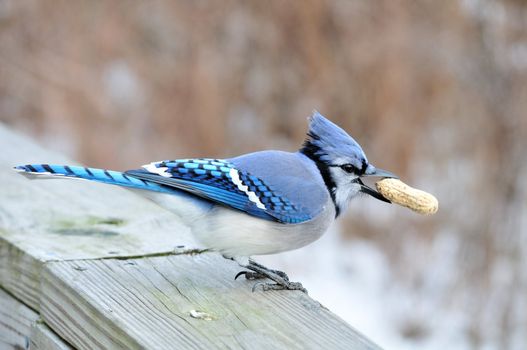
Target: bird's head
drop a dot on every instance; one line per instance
(341, 161)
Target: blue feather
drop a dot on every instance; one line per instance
(211, 179)
(206, 178)
(93, 174)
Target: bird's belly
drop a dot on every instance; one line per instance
(236, 234)
(187, 207)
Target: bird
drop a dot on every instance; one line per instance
(258, 203)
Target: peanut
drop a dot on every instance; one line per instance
(400, 193)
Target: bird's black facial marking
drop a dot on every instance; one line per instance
(348, 168)
(314, 153)
(364, 166)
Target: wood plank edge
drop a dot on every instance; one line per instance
(20, 271)
(22, 328)
(43, 338)
(63, 314)
(20, 274)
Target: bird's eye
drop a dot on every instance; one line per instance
(348, 168)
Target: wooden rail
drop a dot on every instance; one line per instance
(90, 266)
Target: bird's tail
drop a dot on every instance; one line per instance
(100, 175)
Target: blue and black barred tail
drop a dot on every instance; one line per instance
(100, 175)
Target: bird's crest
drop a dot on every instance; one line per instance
(328, 143)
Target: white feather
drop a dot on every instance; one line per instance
(187, 207)
(32, 175)
(236, 234)
(345, 189)
(152, 168)
(235, 176)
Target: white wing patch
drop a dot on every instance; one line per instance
(41, 175)
(245, 189)
(151, 168)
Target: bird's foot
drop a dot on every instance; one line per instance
(250, 275)
(280, 278)
(279, 286)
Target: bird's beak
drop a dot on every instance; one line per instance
(371, 171)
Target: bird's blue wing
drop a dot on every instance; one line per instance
(220, 181)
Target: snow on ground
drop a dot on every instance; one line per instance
(353, 279)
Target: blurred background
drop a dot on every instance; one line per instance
(435, 91)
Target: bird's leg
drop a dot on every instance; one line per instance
(252, 275)
(259, 271)
(279, 273)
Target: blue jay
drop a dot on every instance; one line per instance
(258, 203)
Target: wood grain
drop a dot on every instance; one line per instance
(43, 338)
(20, 328)
(16, 320)
(147, 303)
(49, 220)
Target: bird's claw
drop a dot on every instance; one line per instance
(240, 273)
(249, 275)
(280, 278)
(277, 286)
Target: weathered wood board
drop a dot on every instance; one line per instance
(16, 320)
(76, 219)
(48, 220)
(43, 338)
(21, 328)
(148, 303)
(102, 268)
